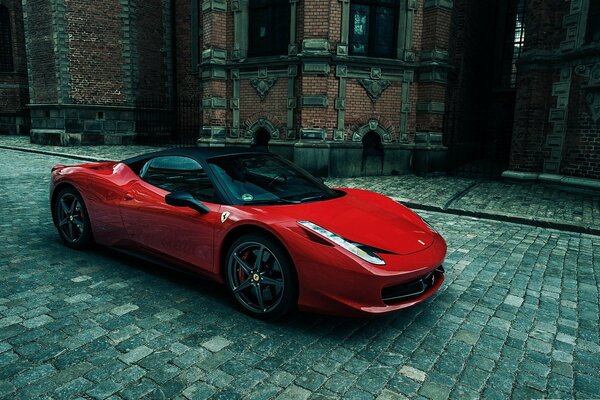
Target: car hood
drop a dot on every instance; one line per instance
(368, 218)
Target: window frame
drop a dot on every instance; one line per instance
(372, 15)
(217, 195)
(7, 61)
(272, 9)
(588, 39)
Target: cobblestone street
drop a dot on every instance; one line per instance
(517, 317)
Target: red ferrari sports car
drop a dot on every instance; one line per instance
(275, 235)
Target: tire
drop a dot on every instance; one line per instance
(267, 289)
(72, 220)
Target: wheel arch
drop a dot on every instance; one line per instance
(244, 229)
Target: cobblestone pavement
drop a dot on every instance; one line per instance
(517, 317)
(522, 202)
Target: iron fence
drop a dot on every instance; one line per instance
(168, 123)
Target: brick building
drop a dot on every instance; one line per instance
(342, 87)
(14, 94)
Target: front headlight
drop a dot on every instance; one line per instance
(340, 241)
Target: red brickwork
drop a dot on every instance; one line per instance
(95, 52)
(43, 80)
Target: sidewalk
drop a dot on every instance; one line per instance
(531, 204)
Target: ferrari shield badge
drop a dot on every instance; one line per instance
(224, 216)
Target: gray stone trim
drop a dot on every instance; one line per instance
(262, 86)
(405, 30)
(429, 139)
(318, 101)
(575, 24)
(214, 5)
(434, 75)
(261, 123)
(313, 134)
(352, 73)
(443, 4)
(214, 72)
(340, 103)
(404, 111)
(316, 68)
(235, 104)
(316, 47)
(558, 120)
(268, 73)
(342, 47)
(291, 102)
(129, 54)
(240, 26)
(433, 107)
(61, 51)
(372, 125)
(214, 56)
(374, 88)
(213, 132)
(214, 102)
(435, 55)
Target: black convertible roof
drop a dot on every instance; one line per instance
(197, 153)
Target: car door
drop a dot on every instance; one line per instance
(178, 233)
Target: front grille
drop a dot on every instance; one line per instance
(405, 291)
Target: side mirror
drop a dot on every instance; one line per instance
(185, 199)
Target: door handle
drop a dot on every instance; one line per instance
(128, 196)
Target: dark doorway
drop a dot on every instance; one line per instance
(261, 140)
(372, 156)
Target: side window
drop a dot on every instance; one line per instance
(373, 27)
(268, 27)
(176, 173)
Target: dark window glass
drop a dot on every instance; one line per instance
(593, 22)
(514, 41)
(373, 28)
(6, 61)
(267, 179)
(269, 27)
(175, 173)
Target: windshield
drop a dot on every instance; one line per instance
(267, 179)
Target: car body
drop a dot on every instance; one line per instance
(340, 251)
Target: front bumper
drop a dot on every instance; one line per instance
(344, 286)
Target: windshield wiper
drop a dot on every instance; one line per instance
(314, 198)
(270, 201)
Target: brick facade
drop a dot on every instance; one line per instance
(435, 104)
(14, 89)
(557, 122)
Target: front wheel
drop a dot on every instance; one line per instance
(261, 277)
(71, 218)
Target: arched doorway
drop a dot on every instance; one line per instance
(372, 154)
(261, 140)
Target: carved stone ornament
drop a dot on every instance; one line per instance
(592, 96)
(374, 88)
(262, 86)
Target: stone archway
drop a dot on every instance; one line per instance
(372, 126)
(263, 124)
(372, 154)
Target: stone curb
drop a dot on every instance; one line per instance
(542, 223)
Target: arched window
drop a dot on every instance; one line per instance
(6, 60)
(373, 28)
(268, 27)
(593, 22)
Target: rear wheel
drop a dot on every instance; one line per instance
(72, 221)
(261, 277)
